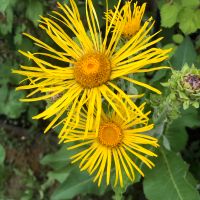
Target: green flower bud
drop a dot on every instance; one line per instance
(185, 85)
(192, 82)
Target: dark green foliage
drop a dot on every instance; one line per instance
(185, 53)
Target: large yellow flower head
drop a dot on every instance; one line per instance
(118, 143)
(80, 71)
(133, 18)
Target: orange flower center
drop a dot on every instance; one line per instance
(92, 70)
(110, 134)
(131, 28)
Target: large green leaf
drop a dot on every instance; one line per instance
(6, 26)
(177, 134)
(34, 10)
(4, 4)
(196, 18)
(185, 53)
(9, 102)
(188, 24)
(170, 179)
(168, 20)
(77, 183)
(60, 175)
(190, 3)
(6, 76)
(58, 159)
(73, 182)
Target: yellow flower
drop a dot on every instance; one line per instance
(118, 143)
(132, 18)
(80, 71)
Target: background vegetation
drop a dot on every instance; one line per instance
(33, 166)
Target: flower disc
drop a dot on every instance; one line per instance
(110, 134)
(92, 70)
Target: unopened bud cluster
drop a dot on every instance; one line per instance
(185, 86)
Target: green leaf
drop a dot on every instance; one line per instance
(195, 104)
(2, 155)
(178, 38)
(6, 77)
(190, 3)
(132, 90)
(10, 104)
(188, 24)
(73, 181)
(166, 143)
(177, 134)
(170, 179)
(4, 94)
(190, 118)
(77, 183)
(34, 10)
(58, 159)
(170, 46)
(61, 174)
(158, 76)
(4, 4)
(32, 111)
(185, 53)
(6, 27)
(18, 35)
(168, 20)
(196, 18)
